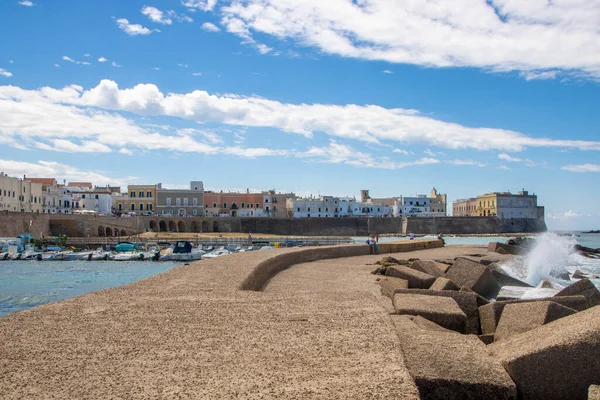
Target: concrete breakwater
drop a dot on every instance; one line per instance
(12, 224)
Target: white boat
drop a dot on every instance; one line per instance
(183, 250)
(128, 256)
(216, 253)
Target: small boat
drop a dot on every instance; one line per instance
(216, 253)
(184, 250)
(128, 256)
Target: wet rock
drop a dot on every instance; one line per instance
(558, 360)
(583, 287)
(473, 276)
(520, 292)
(522, 317)
(416, 279)
(448, 365)
(578, 274)
(444, 311)
(548, 284)
(504, 279)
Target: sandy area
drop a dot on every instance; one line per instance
(319, 330)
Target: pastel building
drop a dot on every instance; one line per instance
(499, 204)
(235, 204)
(181, 202)
(464, 208)
(20, 195)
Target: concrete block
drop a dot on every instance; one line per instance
(444, 284)
(583, 287)
(522, 317)
(558, 360)
(466, 301)
(430, 267)
(486, 339)
(444, 311)
(426, 324)
(594, 392)
(504, 279)
(521, 292)
(416, 279)
(473, 276)
(490, 314)
(448, 365)
(389, 284)
(502, 248)
(481, 301)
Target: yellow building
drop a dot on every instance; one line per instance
(140, 199)
(487, 205)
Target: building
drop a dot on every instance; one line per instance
(319, 207)
(499, 204)
(20, 195)
(235, 204)
(420, 206)
(97, 200)
(275, 204)
(464, 208)
(181, 202)
(438, 204)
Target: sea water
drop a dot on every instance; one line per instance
(26, 284)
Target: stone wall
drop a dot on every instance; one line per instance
(13, 224)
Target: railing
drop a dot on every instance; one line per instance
(212, 241)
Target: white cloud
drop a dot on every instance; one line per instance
(133, 29)
(59, 171)
(536, 37)
(504, 167)
(196, 73)
(531, 75)
(102, 59)
(387, 71)
(565, 216)
(57, 66)
(506, 157)
(179, 17)
(429, 153)
(69, 59)
(204, 5)
(114, 64)
(156, 15)
(182, 65)
(402, 151)
(467, 162)
(238, 28)
(5, 73)
(367, 123)
(123, 150)
(156, 68)
(87, 55)
(582, 168)
(26, 3)
(68, 146)
(11, 61)
(210, 27)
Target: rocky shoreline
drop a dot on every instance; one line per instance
(468, 329)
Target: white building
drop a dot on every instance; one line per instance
(419, 206)
(20, 195)
(320, 207)
(521, 205)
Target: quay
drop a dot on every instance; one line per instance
(194, 332)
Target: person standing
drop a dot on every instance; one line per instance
(373, 249)
(250, 239)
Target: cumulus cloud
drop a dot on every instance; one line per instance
(5, 73)
(506, 157)
(114, 64)
(156, 15)
(210, 27)
(26, 3)
(204, 5)
(59, 171)
(467, 162)
(102, 59)
(402, 151)
(566, 215)
(367, 123)
(69, 59)
(387, 71)
(582, 168)
(538, 38)
(133, 29)
(504, 167)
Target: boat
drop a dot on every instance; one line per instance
(216, 253)
(184, 250)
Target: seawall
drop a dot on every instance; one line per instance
(13, 224)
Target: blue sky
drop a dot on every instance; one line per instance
(315, 97)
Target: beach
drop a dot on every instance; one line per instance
(318, 330)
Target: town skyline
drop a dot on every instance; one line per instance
(476, 97)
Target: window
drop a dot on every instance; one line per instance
(266, 200)
(319, 209)
(214, 205)
(148, 194)
(177, 201)
(257, 205)
(327, 209)
(250, 205)
(185, 201)
(96, 197)
(83, 196)
(298, 209)
(243, 204)
(168, 201)
(132, 194)
(132, 207)
(141, 193)
(141, 207)
(195, 212)
(224, 205)
(308, 209)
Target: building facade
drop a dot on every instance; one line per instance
(234, 204)
(499, 204)
(464, 208)
(319, 207)
(181, 202)
(20, 195)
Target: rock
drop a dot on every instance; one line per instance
(481, 301)
(473, 276)
(521, 293)
(447, 365)
(583, 287)
(548, 284)
(392, 260)
(444, 311)
(558, 360)
(426, 324)
(416, 279)
(522, 317)
(379, 271)
(490, 314)
(504, 279)
(578, 274)
(487, 339)
(502, 248)
(467, 301)
(389, 284)
(430, 267)
(594, 392)
(444, 284)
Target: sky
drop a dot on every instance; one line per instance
(315, 97)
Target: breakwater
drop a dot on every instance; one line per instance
(12, 224)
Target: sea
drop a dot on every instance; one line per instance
(26, 284)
